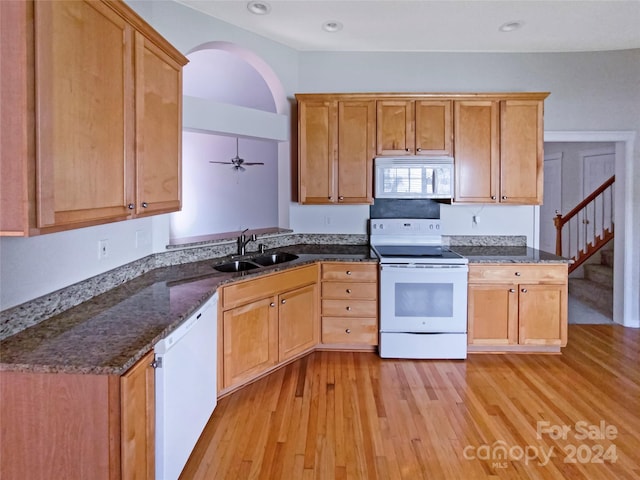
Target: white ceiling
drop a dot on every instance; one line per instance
(439, 26)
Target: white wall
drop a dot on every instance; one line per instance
(589, 91)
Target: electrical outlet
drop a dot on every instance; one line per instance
(103, 249)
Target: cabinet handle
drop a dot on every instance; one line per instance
(348, 272)
(283, 301)
(348, 309)
(493, 197)
(512, 290)
(504, 197)
(145, 204)
(518, 274)
(131, 206)
(272, 304)
(524, 290)
(348, 290)
(348, 330)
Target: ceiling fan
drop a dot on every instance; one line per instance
(237, 162)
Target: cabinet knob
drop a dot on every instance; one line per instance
(407, 150)
(145, 204)
(517, 274)
(512, 290)
(348, 272)
(272, 304)
(504, 197)
(154, 364)
(348, 290)
(524, 290)
(493, 197)
(340, 198)
(131, 206)
(348, 309)
(418, 149)
(329, 198)
(283, 301)
(348, 330)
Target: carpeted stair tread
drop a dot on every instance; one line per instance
(594, 294)
(598, 273)
(606, 257)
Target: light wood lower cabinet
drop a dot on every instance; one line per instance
(67, 425)
(266, 321)
(349, 304)
(517, 307)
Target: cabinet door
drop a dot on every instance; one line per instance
(521, 151)
(158, 130)
(298, 321)
(137, 437)
(492, 314)
(542, 315)
(250, 340)
(84, 109)
(317, 152)
(434, 127)
(476, 151)
(394, 128)
(356, 149)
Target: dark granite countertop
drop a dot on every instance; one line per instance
(507, 254)
(110, 332)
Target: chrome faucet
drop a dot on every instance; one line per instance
(243, 240)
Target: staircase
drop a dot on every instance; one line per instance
(596, 288)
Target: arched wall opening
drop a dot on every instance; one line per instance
(230, 95)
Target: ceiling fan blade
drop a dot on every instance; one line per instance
(221, 163)
(252, 163)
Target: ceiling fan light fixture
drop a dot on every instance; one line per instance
(259, 8)
(332, 26)
(511, 26)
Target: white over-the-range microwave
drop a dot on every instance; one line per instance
(413, 177)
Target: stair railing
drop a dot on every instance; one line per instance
(588, 226)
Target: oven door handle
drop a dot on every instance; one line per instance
(407, 266)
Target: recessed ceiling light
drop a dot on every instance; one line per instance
(259, 8)
(511, 26)
(332, 26)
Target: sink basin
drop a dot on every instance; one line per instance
(237, 266)
(274, 258)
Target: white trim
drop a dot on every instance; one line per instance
(626, 301)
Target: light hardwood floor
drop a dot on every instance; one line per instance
(353, 415)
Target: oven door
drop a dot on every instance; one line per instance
(423, 298)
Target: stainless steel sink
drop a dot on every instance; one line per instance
(237, 266)
(274, 258)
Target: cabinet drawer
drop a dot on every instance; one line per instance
(349, 308)
(261, 287)
(521, 273)
(350, 272)
(350, 330)
(347, 290)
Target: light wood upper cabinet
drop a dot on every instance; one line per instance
(521, 151)
(414, 127)
(336, 149)
(499, 151)
(158, 118)
(96, 97)
(477, 154)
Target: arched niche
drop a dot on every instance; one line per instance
(229, 93)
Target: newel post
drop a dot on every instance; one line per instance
(557, 221)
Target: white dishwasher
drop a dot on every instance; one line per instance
(186, 390)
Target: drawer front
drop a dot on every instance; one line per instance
(261, 287)
(349, 308)
(347, 290)
(350, 330)
(520, 273)
(350, 272)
